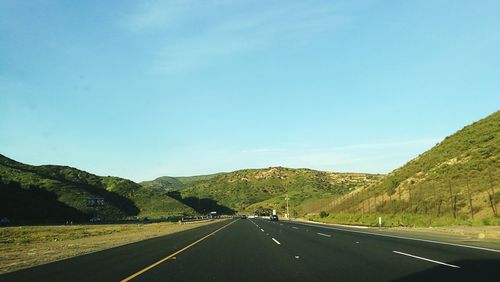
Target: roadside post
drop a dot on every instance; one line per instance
(287, 211)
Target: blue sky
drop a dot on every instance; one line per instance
(140, 89)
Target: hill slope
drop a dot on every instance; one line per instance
(164, 183)
(457, 179)
(253, 190)
(169, 183)
(53, 193)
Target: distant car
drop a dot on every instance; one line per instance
(273, 217)
(95, 219)
(243, 217)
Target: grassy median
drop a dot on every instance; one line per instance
(27, 246)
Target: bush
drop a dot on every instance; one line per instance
(323, 214)
(486, 221)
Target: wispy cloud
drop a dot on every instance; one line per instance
(198, 33)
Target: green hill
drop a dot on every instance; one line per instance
(252, 190)
(50, 193)
(457, 181)
(165, 183)
(168, 183)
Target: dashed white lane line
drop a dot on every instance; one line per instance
(295, 227)
(262, 230)
(276, 241)
(426, 259)
(322, 234)
(400, 237)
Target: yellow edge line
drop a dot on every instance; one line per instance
(172, 255)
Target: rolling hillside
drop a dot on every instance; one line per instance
(168, 183)
(254, 190)
(454, 182)
(50, 193)
(164, 183)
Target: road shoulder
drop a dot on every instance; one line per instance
(482, 237)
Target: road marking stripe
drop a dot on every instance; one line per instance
(295, 227)
(276, 241)
(322, 234)
(426, 259)
(262, 230)
(401, 237)
(174, 254)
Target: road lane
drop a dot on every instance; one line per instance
(375, 256)
(112, 264)
(174, 254)
(329, 258)
(409, 237)
(263, 250)
(239, 253)
(244, 253)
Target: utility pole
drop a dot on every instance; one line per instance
(287, 211)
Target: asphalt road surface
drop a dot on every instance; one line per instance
(262, 250)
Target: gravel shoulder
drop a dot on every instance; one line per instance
(480, 236)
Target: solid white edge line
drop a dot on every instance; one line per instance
(401, 237)
(426, 259)
(322, 234)
(276, 241)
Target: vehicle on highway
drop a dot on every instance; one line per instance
(274, 217)
(243, 217)
(96, 219)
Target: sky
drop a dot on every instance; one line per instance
(142, 89)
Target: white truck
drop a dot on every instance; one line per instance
(273, 216)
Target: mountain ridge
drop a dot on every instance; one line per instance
(254, 190)
(69, 188)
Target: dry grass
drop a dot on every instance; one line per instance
(28, 246)
(484, 233)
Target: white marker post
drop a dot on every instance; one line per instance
(287, 211)
(379, 221)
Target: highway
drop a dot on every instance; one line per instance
(263, 250)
